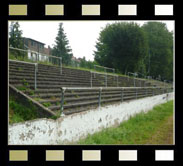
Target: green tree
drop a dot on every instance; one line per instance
(160, 41)
(62, 48)
(15, 40)
(122, 46)
(15, 35)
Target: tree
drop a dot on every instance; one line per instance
(15, 39)
(122, 46)
(62, 48)
(160, 41)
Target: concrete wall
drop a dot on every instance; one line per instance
(73, 127)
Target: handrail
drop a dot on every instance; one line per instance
(97, 88)
(22, 61)
(35, 52)
(103, 73)
(60, 58)
(105, 67)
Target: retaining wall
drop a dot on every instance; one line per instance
(73, 127)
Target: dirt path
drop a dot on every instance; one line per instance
(164, 135)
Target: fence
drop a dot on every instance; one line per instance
(125, 93)
(33, 56)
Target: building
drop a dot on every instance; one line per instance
(36, 49)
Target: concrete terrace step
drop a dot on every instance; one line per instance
(92, 102)
(46, 73)
(55, 70)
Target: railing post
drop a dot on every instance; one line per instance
(62, 101)
(106, 80)
(136, 93)
(60, 65)
(95, 70)
(153, 91)
(99, 99)
(91, 79)
(122, 94)
(35, 77)
(117, 80)
(146, 91)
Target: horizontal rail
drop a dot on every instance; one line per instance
(108, 88)
(105, 67)
(32, 63)
(104, 73)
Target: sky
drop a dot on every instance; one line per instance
(82, 35)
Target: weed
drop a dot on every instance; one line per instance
(22, 88)
(58, 103)
(37, 99)
(30, 92)
(47, 104)
(56, 116)
(19, 113)
(20, 69)
(53, 98)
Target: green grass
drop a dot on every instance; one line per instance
(47, 104)
(20, 113)
(137, 130)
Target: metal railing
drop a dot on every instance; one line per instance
(35, 70)
(105, 68)
(138, 93)
(105, 77)
(49, 58)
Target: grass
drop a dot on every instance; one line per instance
(47, 104)
(20, 113)
(144, 128)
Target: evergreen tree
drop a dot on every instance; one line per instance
(15, 40)
(62, 48)
(15, 35)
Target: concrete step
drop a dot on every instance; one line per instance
(93, 102)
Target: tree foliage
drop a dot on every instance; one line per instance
(160, 41)
(15, 40)
(62, 48)
(122, 46)
(15, 35)
(128, 47)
